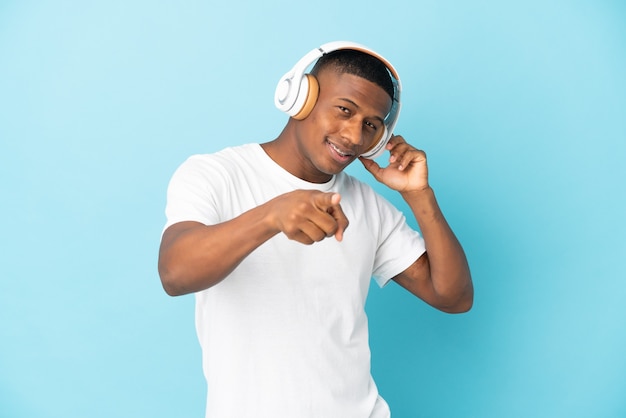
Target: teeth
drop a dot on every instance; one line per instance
(343, 154)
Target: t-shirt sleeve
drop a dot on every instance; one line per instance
(191, 193)
(399, 246)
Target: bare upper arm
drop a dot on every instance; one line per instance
(416, 278)
(175, 230)
(445, 295)
(169, 266)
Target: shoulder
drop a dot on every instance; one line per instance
(229, 155)
(225, 160)
(363, 202)
(352, 184)
(360, 191)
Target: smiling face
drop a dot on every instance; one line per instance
(346, 121)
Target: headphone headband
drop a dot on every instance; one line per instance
(296, 91)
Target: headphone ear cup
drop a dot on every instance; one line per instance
(378, 146)
(307, 97)
(384, 136)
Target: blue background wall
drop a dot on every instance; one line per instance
(520, 105)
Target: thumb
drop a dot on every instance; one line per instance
(328, 200)
(371, 166)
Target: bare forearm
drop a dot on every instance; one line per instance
(194, 257)
(449, 271)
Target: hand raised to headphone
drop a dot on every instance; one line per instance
(407, 170)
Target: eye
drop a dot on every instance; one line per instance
(344, 109)
(370, 125)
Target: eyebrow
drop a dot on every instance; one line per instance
(381, 120)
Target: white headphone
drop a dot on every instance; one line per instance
(297, 91)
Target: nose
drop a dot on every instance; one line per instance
(352, 131)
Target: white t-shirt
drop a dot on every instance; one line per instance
(285, 334)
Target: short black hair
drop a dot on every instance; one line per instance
(361, 64)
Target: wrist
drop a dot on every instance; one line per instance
(418, 194)
(423, 204)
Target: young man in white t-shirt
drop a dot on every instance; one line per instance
(279, 245)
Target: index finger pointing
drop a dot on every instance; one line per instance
(336, 212)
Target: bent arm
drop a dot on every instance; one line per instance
(194, 256)
(441, 277)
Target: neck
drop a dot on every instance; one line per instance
(285, 152)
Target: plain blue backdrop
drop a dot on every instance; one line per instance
(520, 106)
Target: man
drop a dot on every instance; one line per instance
(279, 246)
